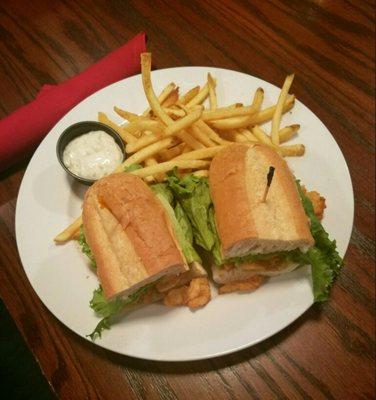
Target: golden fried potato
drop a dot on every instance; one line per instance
(198, 292)
(250, 284)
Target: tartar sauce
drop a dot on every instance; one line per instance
(92, 155)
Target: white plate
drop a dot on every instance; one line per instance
(48, 201)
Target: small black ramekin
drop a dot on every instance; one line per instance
(79, 129)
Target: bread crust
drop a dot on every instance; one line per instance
(130, 234)
(245, 224)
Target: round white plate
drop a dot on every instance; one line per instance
(49, 200)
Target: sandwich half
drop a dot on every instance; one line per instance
(250, 237)
(140, 248)
(256, 236)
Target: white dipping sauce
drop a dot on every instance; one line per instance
(92, 155)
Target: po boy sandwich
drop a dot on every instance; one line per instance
(140, 246)
(252, 237)
(260, 235)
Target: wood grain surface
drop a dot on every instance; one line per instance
(329, 352)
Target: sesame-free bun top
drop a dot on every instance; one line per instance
(246, 225)
(130, 234)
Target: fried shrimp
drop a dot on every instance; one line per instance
(247, 285)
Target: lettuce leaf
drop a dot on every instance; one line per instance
(184, 223)
(324, 258)
(132, 167)
(163, 190)
(108, 309)
(216, 249)
(85, 248)
(179, 220)
(193, 195)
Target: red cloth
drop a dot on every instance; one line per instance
(21, 131)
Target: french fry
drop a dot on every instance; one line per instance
(125, 135)
(258, 98)
(102, 117)
(200, 136)
(172, 98)
(139, 133)
(212, 93)
(183, 123)
(145, 125)
(232, 135)
(148, 162)
(172, 112)
(201, 173)
(267, 113)
(231, 123)
(169, 165)
(288, 132)
(262, 136)
(241, 121)
(128, 137)
(162, 97)
(209, 152)
(147, 152)
(293, 150)
(209, 132)
(187, 97)
(181, 106)
(173, 129)
(169, 154)
(226, 112)
(170, 91)
(129, 116)
(276, 120)
(235, 105)
(149, 91)
(201, 95)
(248, 134)
(239, 137)
(69, 232)
(189, 140)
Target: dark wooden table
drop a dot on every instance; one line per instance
(329, 352)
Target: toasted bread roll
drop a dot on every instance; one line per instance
(246, 224)
(130, 234)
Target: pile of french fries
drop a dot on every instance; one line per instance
(179, 131)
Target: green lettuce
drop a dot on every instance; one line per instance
(323, 256)
(132, 167)
(179, 221)
(108, 309)
(162, 190)
(216, 249)
(85, 247)
(193, 194)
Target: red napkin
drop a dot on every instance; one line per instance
(21, 131)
